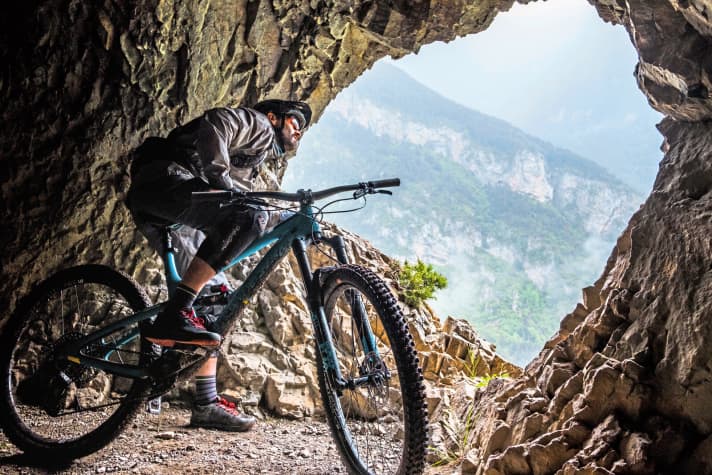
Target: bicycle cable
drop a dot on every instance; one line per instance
(317, 217)
(321, 213)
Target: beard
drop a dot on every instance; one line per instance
(290, 141)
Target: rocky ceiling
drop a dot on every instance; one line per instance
(626, 384)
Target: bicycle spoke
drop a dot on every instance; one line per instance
(369, 407)
(84, 393)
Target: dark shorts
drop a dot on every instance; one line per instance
(166, 200)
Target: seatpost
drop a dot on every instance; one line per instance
(169, 261)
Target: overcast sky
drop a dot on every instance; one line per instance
(557, 71)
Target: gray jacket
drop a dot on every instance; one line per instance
(225, 146)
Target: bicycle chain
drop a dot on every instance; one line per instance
(158, 387)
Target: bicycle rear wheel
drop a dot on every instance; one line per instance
(381, 425)
(50, 406)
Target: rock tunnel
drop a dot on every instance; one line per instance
(625, 385)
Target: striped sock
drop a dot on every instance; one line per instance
(205, 390)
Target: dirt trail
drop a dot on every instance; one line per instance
(164, 444)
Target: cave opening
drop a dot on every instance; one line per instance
(624, 385)
(559, 124)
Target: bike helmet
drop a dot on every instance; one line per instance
(300, 110)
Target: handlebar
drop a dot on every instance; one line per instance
(301, 196)
(387, 183)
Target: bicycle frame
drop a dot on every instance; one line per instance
(296, 233)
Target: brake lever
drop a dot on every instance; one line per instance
(369, 191)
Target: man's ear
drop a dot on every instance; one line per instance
(273, 119)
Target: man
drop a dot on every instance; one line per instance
(222, 149)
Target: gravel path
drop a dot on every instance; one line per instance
(164, 444)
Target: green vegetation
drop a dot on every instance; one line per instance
(459, 432)
(481, 381)
(504, 305)
(419, 282)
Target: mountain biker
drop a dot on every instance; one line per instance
(222, 149)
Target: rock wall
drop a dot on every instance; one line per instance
(625, 384)
(622, 388)
(82, 83)
(672, 38)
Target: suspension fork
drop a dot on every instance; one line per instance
(322, 332)
(324, 341)
(358, 310)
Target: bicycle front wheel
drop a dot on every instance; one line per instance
(50, 406)
(378, 418)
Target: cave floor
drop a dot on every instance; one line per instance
(163, 444)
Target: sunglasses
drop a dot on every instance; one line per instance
(296, 121)
(296, 124)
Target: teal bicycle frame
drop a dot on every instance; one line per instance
(296, 233)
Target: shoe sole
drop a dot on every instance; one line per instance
(171, 343)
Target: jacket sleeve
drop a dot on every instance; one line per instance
(215, 133)
(224, 132)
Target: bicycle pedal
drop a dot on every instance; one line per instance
(153, 406)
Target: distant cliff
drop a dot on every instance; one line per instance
(518, 225)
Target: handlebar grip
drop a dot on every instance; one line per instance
(388, 182)
(210, 196)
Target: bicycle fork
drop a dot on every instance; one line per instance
(322, 333)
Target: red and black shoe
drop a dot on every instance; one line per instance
(222, 415)
(184, 327)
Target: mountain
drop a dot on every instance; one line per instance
(517, 225)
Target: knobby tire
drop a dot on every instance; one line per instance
(396, 345)
(63, 449)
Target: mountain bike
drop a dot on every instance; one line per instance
(75, 369)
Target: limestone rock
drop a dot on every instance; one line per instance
(85, 82)
(289, 396)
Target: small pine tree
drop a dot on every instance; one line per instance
(419, 282)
